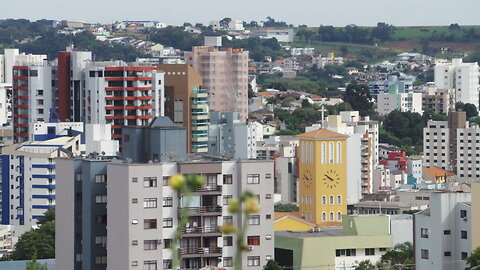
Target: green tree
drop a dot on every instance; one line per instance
(34, 265)
(474, 259)
(306, 104)
(344, 50)
(365, 265)
(454, 27)
(288, 101)
(285, 207)
(272, 265)
(402, 254)
(360, 98)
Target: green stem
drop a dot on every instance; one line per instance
(241, 242)
(182, 224)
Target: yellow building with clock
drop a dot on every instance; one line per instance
(322, 176)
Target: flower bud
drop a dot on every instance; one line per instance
(228, 229)
(234, 206)
(252, 206)
(177, 181)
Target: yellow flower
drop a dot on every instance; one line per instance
(228, 229)
(234, 206)
(252, 206)
(177, 181)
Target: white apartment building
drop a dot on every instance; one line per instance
(282, 35)
(143, 209)
(463, 77)
(436, 145)
(438, 100)
(404, 102)
(442, 232)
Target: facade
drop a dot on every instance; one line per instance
(161, 141)
(443, 232)
(186, 104)
(359, 238)
(282, 35)
(403, 84)
(143, 209)
(323, 176)
(462, 77)
(229, 136)
(438, 100)
(404, 102)
(225, 76)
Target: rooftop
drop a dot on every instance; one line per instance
(323, 232)
(437, 171)
(322, 134)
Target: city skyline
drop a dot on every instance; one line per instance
(308, 12)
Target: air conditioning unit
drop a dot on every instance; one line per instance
(250, 248)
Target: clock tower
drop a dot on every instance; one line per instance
(322, 176)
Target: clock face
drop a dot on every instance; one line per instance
(331, 179)
(307, 178)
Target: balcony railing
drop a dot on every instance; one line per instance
(204, 209)
(201, 250)
(200, 230)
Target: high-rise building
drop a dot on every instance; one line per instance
(186, 104)
(143, 209)
(323, 176)
(463, 77)
(437, 100)
(225, 76)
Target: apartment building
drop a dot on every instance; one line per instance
(186, 104)
(282, 35)
(225, 76)
(143, 209)
(404, 84)
(229, 136)
(442, 234)
(460, 76)
(404, 102)
(437, 100)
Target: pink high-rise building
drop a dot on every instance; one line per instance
(225, 76)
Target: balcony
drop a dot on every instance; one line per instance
(204, 210)
(201, 252)
(201, 231)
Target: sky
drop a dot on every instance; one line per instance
(309, 12)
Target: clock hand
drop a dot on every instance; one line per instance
(331, 179)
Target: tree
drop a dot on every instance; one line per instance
(468, 108)
(274, 101)
(474, 259)
(272, 265)
(360, 98)
(402, 254)
(454, 27)
(285, 207)
(288, 101)
(365, 265)
(306, 104)
(344, 50)
(34, 265)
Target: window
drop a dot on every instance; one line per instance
(134, 263)
(227, 179)
(101, 198)
(134, 200)
(324, 153)
(228, 241)
(150, 265)
(167, 202)
(253, 240)
(331, 216)
(332, 201)
(100, 259)
(101, 219)
(463, 213)
(253, 261)
(424, 233)
(464, 234)
(101, 239)
(227, 261)
(167, 264)
(134, 179)
(167, 222)
(424, 254)
(78, 177)
(150, 244)
(134, 242)
(330, 153)
(166, 181)
(100, 178)
(324, 216)
(383, 249)
(339, 152)
(447, 254)
(253, 179)
(345, 252)
(254, 220)
(149, 181)
(167, 243)
(150, 203)
(446, 232)
(324, 200)
(268, 216)
(464, 255)
(227, 199)
(149, 223)
(227, 220)
(268, 196)
(339, 199)
(268, 176)
(369, 252)
(339, 216)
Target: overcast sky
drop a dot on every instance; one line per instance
(310, 12)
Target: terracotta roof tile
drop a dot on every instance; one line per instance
(322, 133)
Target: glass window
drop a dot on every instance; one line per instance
(167, 243)
(324, 200)
(100, 178)
(149, 223)
(167, 264)
(253, 261)
(254, 220)
(150, 265)
(339, 199)
(424, 253)
(227, 261)
(167, 222)
(324, 153)
(149, 181)
(339, 152)
(331, 153)
(150, 244)
(253, 179)
(150, 203)
(227, 179)
(167, 202)
(227, 199)
(253, 240)
(369, 252)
